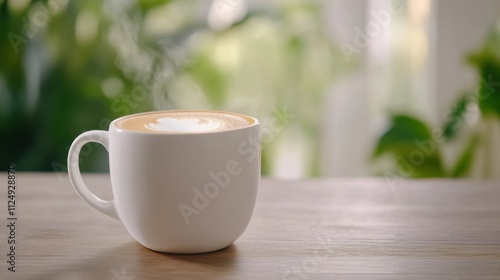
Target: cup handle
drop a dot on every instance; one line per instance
(97, 136)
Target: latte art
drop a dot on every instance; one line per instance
(178, 122)
(185, 125)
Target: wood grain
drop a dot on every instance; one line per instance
(316, 229)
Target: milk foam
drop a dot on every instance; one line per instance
(190, 124)
(179, 122)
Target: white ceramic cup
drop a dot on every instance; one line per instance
(177, 193)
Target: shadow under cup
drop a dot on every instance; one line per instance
(178, 193)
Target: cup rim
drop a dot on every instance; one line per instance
(124, 130)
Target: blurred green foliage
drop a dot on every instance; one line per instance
(51, 83)
(401, 138)
(274, 59)
(487, 62)
(70, 66)
(408, 139)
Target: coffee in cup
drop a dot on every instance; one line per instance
(184, 122)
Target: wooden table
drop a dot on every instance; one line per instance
(314, 229)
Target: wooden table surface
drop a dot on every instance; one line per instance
(314, 229)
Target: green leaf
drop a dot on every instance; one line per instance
(410, 142)
(489, 87)
(150, 4)
(401, 135)
(462, 167)
(454, 120)
(487, 62)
